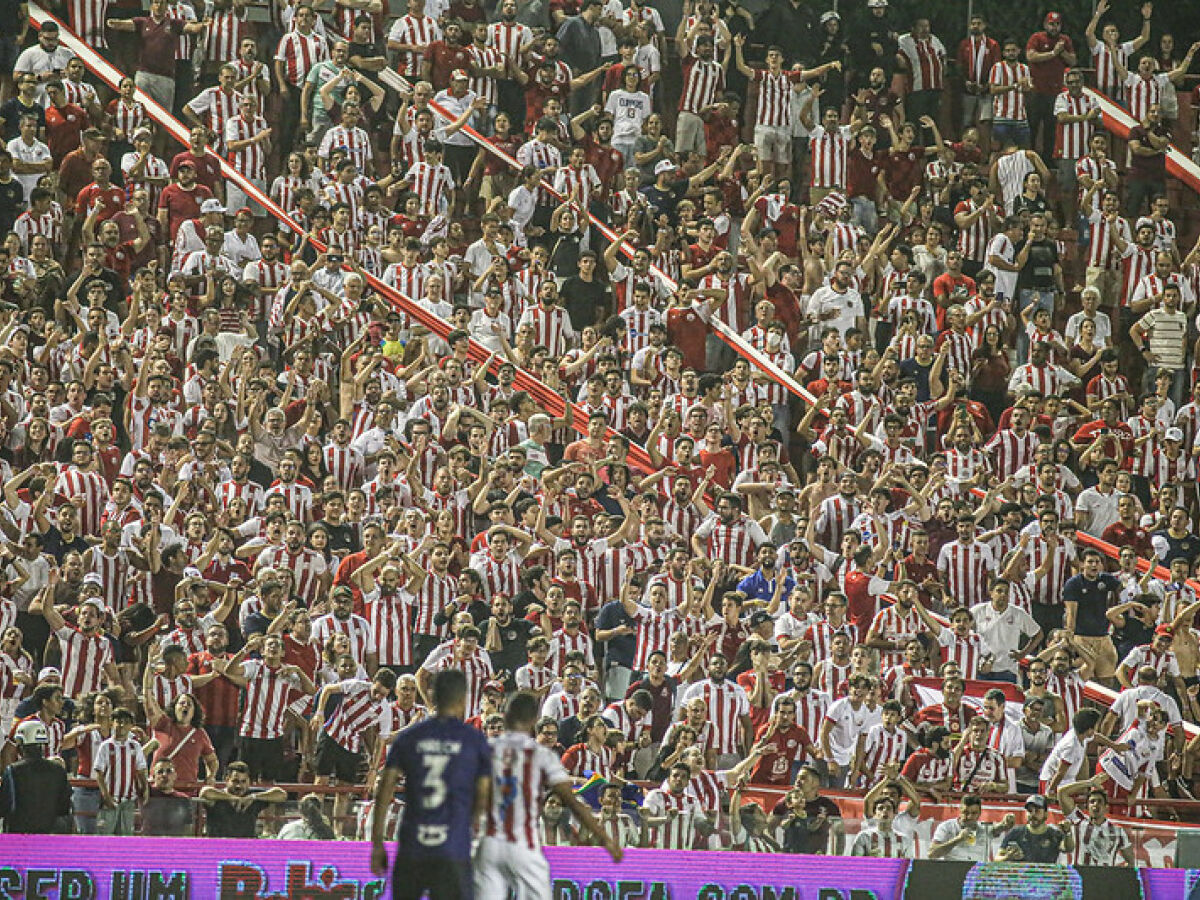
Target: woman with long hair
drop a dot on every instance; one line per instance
(990, 370)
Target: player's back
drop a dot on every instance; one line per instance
(522, 772)
(441, 759)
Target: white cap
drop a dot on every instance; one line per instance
(192, 572)
(212, 205)
(1173, 434)
(32, 732)
(877, 4)
(93, 578)
(664, 166)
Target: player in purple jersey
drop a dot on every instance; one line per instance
(447, 768)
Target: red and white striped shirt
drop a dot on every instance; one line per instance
(268, 695)
(420, 31)
(528, 771)
(485, 85)
(390, 617)
(654, 630)
(356, 141)
(297, 497)
(966, 651)
(87, 19)
(306, 565)
(477, 668)
(1142, 93)
(356, 628)
(973, 240)
(345, 464)
(1104, 59)
(84, 658)
(113, 571)
(1137, 263)
(581, 760)
(165, 690)
(883, 747)
(436, 593)
(119, 762)
(1101, 248)
(1010, 451)
(224, 34)
(355, 715)
(1071, 139)
(679, 832)
(510, 38)
(775, 97)
(830, 156)
(1009, 105)
(1070, 688)
(703, 82)
(811, 707)
(250, 160)
(1048, 589)
(563, 643)
(431, 184)
(299, 53)
(967, 569)
(727, 704)
(92, 487)
(926, 61)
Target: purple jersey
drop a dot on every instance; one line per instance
(441, 760)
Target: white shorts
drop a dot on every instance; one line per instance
(773, 144)
(501, 866)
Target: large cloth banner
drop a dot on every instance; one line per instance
(100, 868)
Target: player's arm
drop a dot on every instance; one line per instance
(385, 790)
(583, 813)
(483, 800)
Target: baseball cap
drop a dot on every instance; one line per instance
(828, 16)
(1030, 701)
(459, 73)
(212, 205)
(664, 166)
(493, 687)
(342, 590)
(48, 673)
(93, 578)
(187, 164)
(1173, 434)
(1037, 801)
(94, 603)
(759, 618)
(1166, 629)
(32, 732)
(192, 572)
(1053, 18)
(877, 4)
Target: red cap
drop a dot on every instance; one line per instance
(1165, 629)
(1053, 18)
(495, 687)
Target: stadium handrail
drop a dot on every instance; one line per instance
(547, 397)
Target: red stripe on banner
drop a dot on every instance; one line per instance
(546, 397)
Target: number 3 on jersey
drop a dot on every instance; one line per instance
(434, 783)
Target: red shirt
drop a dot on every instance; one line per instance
(444, 59)
(720, 131)
(776, 767)
(749, 681)
(1136, 537)
(219, 697)
(686, 331)
(903, 170)
(110, 199)
(697, 256)
(64, 125)
(787, 308)
(725, 463)
(607, 162)
(208, 169)
(181, 205)
(537, 94)
(862, 172)
(1048, 76)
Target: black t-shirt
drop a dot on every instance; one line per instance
(224, 820)
(620, 649)
(343, 538)
(664, 702)
(1038, 272)
(583, 300)
(810, 834)
(513, 639)
(58, 547)
(1093, 597)
(667, 199)
(1036, 848)
(12, 202)
(1186, 547)
(35, 797)
(12, 111)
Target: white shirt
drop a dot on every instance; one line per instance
(629, 110)
(848, 305)
(36, 152)
(848, 724)
(1002, 632)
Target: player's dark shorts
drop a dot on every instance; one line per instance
(442, 879)
(334, 759)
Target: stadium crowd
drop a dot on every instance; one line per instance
(251, 505)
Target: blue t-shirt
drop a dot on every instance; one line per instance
(441, 760)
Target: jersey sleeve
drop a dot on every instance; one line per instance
(553, 772)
